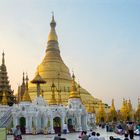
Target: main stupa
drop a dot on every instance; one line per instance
(53, 70)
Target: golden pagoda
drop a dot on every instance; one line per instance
(124, 110)
(101, 115)
(74, 92)
(50, 67)
(129, 106)
(26, 97)
(4, 99)
(21, 89)
(138, 111)
(112, 115)
(130, 114)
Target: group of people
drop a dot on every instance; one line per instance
(91, 136)
(129, 134)
(129, 129)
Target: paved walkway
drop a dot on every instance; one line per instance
(71, 136)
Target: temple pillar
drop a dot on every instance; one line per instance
(51, 125)
(27, 124)
(36, 124)
(78, 125)
(85, 122)
(45, 120)
(30, 124)
(62, 123)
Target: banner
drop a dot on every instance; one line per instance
(3, 134)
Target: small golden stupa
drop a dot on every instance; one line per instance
(26, 97)
(101, 115)
(4, 99)
(74, 92)
(112, 115)
(138, 111)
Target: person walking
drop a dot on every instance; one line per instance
(17, 133)
(84, 137)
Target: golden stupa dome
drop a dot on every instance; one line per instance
(50, 67)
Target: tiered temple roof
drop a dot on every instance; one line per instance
(4, 84)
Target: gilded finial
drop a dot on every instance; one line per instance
(73, 76)
(27, 79)
(113, 103)
(52, 35)
(23, 79)
(53, 17)
(3, 59)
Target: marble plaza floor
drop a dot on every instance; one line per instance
(71, 136)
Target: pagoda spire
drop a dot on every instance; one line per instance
(21, 88)
(129, 106)
(123, 110)
(4, 83)
(23, 79)
(26, 97)
(27, 79)
(3, 59)
(112, 115)
(52, 35)
(79, 89)
(112, 105)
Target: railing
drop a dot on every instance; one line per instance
(6, 118)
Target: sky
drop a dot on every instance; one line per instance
(99, 40)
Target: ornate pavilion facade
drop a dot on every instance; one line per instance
(40, 117)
